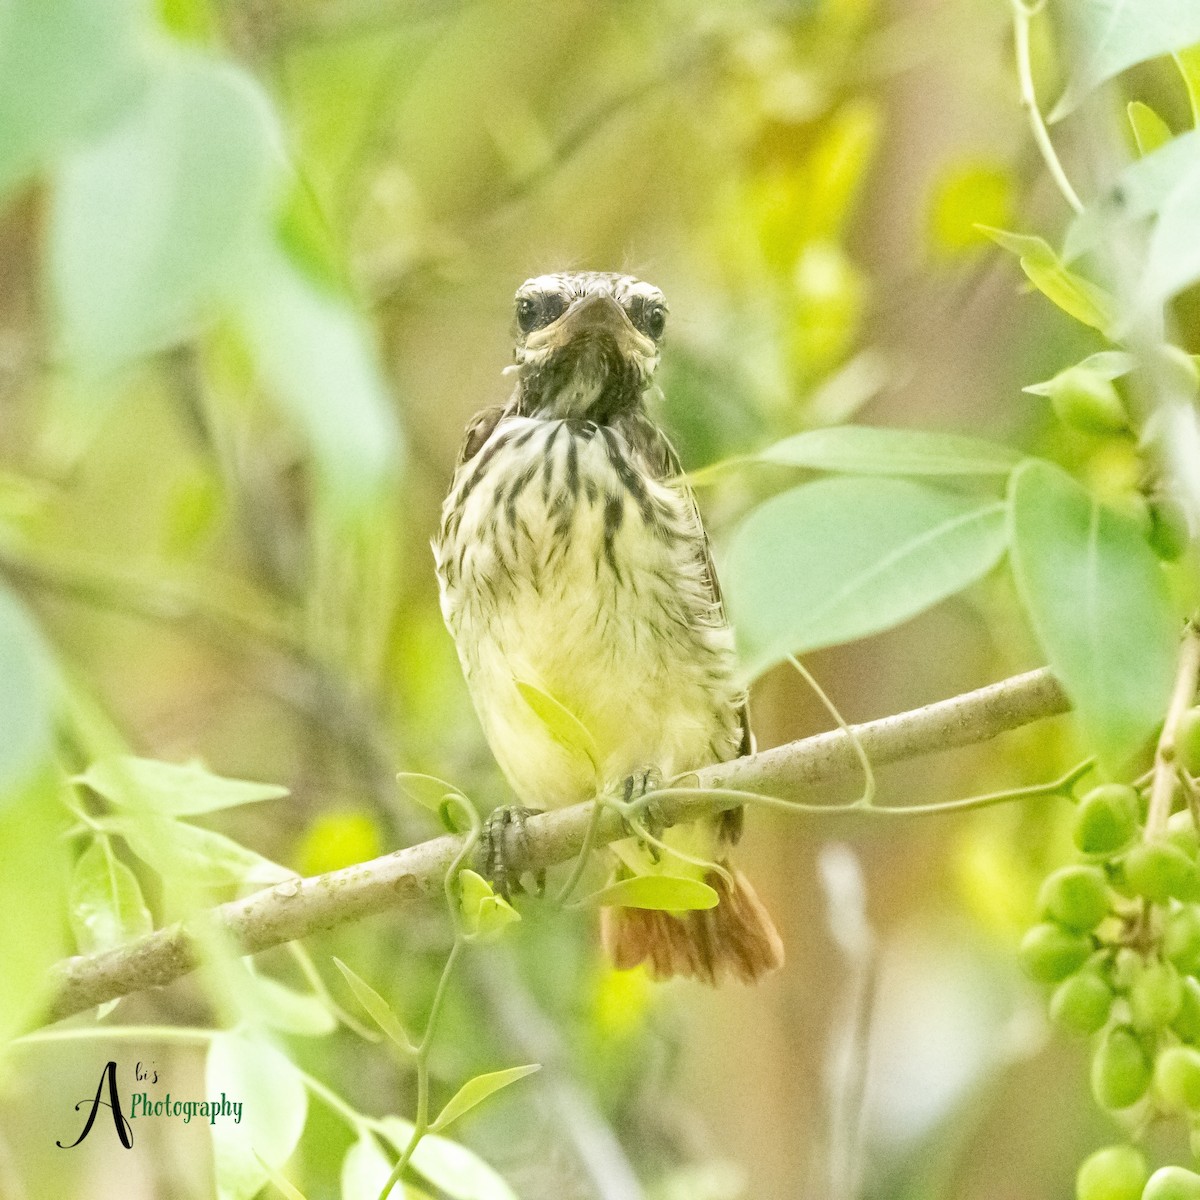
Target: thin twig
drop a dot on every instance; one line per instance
(1165, 779)
(411, 876)
(450, 885)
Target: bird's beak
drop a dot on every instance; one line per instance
(591, 315)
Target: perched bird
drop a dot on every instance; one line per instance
(572, 559)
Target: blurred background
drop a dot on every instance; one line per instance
(257, 260)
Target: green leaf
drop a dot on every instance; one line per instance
(134, 267)
(378, 1008)
(842, 558)
(1076, 296)
(864, 450)
(452, 1168)
(171, 789)
(365, 1170)
(281, 1182)
(1164, 189)
(485, 915)
(33, 897)
(1108, 364)
(205, 858)
(308, 344)
(1150, 131)
(670, 893)
(564, 726)
(66, 68)
(427, 790)
(1139, 193)
(308, 239)
(1098, 601)
(1173, 255)
(274, 1106)
(1023, 245)
(476, 1090)
(26, 696)
(290, 1011)
(1107, 36)
(105, 901)
(1188, 62)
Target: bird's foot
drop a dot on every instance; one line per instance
(640, 783)
(503, 845)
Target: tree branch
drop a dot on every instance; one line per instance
(302, 907)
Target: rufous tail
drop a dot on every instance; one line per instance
(735, 940)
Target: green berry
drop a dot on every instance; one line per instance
(1076, 897)
(1187, 1020)
(1181, 938)
(1081, 1003)
(1181, 832)
(1085, 400)
(1177, 1077)
(1187, 741)
(1160, 871)
(1172, 1183)
(1117, 881)
(1120, 1070)
(1156, 995)
(1126, 966)
(1107, 819)
(1050, 953)
(1114, 1173)
(1170, 533)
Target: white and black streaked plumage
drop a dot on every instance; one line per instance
(571, 556)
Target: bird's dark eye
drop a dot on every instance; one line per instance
(653, 320)
(527, 314)
(536, 312)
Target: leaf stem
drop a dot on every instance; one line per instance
(1055, 787)
(868, 796)
(581, 859)
(421, 1121)
(1165, 779)
(1023, 15)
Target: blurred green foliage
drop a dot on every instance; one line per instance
(256, 258)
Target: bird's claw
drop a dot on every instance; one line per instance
(637, 785)
(501, 851)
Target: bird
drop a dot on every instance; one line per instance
(573, 564)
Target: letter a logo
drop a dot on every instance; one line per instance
(124, 1132)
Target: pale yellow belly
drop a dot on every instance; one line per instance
(605, 614)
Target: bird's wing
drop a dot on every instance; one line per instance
(479, 428)
(663, 463)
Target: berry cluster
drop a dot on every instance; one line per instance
(1086, 398)
(1120, 941)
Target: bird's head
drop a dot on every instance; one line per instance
(587, 343)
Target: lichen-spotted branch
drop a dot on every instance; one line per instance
(301, 907)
